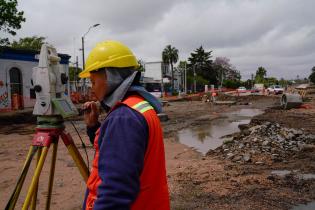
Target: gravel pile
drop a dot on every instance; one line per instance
(269, 139)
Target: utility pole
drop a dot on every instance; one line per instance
(76, 72)
(221, 77)
(83, 65)
(185, 77)
(162, 75)
(252, 81)
(83, 59)
(194, 68)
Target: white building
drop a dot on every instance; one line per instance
(16, 68)
(154, 70)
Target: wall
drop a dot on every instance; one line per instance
(26, 68)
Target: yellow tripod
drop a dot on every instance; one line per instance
(48, 131)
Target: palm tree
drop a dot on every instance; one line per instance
(170, 56)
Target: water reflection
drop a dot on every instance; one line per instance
(207, 136)
(309, 206)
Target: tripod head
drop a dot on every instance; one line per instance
(49, 80)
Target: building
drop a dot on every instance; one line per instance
(154, 70)
(16, 68)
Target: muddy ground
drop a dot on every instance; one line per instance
(196, 181)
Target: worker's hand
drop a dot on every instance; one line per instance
(91, 113)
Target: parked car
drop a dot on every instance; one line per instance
(241, 90)
(154, 88)
(275, 89)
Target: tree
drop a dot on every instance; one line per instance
(231, 83)
(200, 63)
(283, 82)
(10, 19)
(270, 81)
(170, 56)
(312, 76)
(29, 43)
(222, 66)
(224, 62)
(141, 65)
(226, 70)
(182, 65)
(260, 75)
(73, 73)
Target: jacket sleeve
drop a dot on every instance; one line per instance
(124, 137)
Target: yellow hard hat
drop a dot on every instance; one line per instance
(109, 54)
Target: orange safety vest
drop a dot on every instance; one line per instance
(153, 194)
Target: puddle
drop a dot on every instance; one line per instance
(309, 206)
(208, 136)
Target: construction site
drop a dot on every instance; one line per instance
(153, 105)
(243, 151)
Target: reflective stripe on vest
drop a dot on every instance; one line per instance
(142, 106)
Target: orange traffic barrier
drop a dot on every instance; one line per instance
(16, 101)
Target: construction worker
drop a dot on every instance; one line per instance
(128, 170)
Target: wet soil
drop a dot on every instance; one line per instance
(211, 182)
(210, 135)
(195, 181)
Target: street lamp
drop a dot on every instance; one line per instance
(83, 59)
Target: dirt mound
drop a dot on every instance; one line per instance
(268, 142)
(248, 98)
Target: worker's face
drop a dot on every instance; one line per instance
(99, 84)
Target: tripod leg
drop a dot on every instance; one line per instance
(35, 178)
(52, 173)
(15, 195)
(76, 156)
(34, 198)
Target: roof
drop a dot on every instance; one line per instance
(27, 55)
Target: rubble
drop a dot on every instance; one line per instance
(269, 140)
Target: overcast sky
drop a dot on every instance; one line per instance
(276, 34)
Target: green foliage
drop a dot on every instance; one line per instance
(10, 19)
(141, 65)
(182, 65)
(170, 56)
(312, 76)
(231, 83)
(200, 82)
(4, 42)
(200, 57)
(283, 82)
(74, 73)
(200, 62)
(270, 81)
(260, 75)
(247, 84)
(221, 72)
(29, 43)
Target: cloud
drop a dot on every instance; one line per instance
(276, 34)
